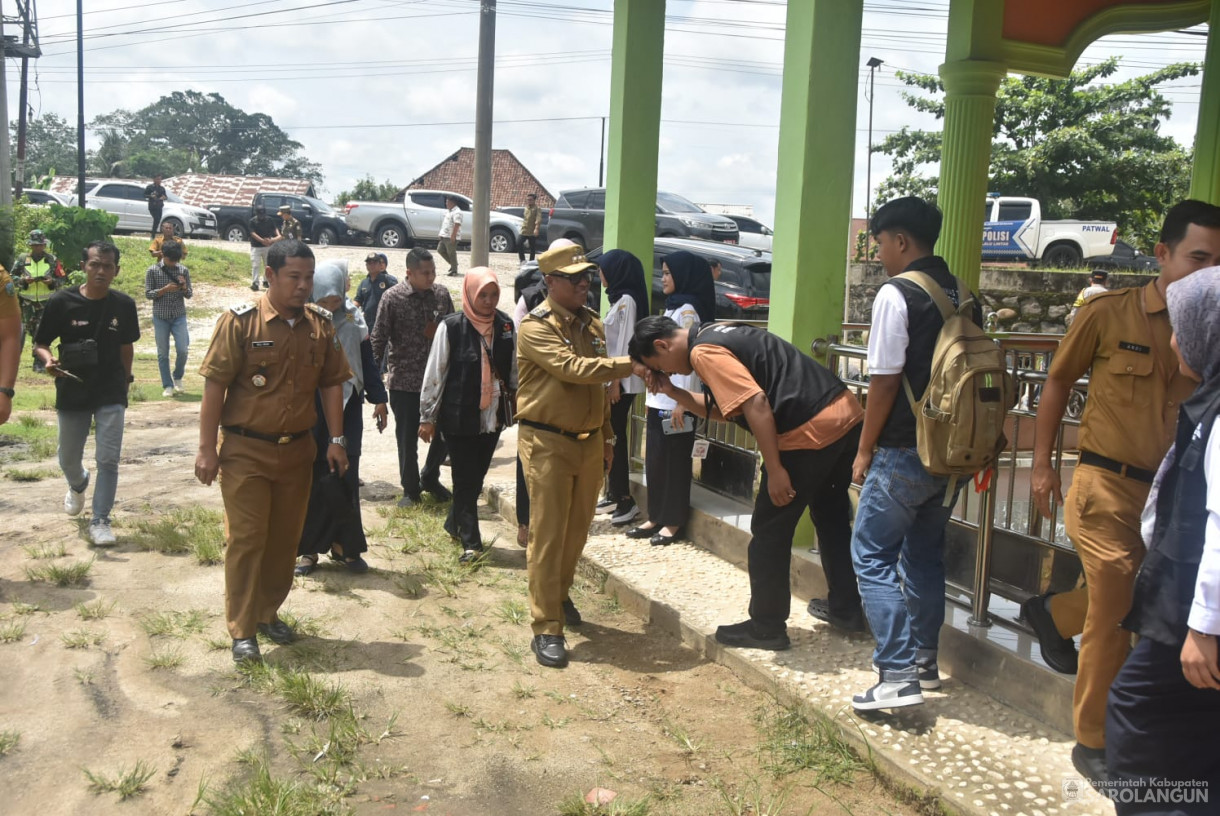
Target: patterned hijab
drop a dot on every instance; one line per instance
(1194, 311)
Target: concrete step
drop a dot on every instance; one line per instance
(979, 755)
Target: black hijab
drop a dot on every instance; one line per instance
(693, 284)
(625, 276)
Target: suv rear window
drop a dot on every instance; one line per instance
(760, 276)
(576, 199)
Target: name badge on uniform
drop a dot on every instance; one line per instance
(262, 344)
(699, 451)
(1136, 347)
(599, 346)
(259, 380)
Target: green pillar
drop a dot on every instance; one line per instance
(1205, 178)
(817, 134)
(970, 88)
(635, 127)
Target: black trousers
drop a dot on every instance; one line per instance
(619, 486)
(469, 459)
(667, 465)
(405, 405)
(155, 212)
(532, 240)
(1160, 727)
(820, 479)
(523, 496)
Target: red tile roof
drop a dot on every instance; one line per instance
(203, 189)
(510, 180)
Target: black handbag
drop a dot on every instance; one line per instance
(506, 410)
(83, 353)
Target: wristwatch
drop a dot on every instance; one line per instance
(8, 392)
(613, 440)
(341, 441)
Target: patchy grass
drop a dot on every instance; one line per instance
(29, 437)
(216, 262)
(682, 737)
(82, 638)
(30, 475)
(174, 624)
(166, 659)
(25, 608)
(796, 739)
(195, 530)
(575, 805)
(263, 793)
(127, 784)
(304, 625)
(523, 691)
(512, 611)
(62, 575)
(304, 693)
(98, 610)
(751, 799)
(9, 740)
(45, 551)
(83, 676)
(12, 631)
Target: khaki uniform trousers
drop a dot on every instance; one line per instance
(265, 487)
(564, 477)
(1102, 518)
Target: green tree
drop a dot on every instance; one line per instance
(1084, 148)
(50, 147)
(190, 131)
(367, 189)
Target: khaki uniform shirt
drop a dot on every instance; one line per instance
(563, 368)
(154, 247)
(9, 307)
(1135, 387)
(272, 369)
(530, 219)
(290, 229)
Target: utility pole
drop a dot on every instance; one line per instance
(601, 157)
(23, 105)
(484, 93)
(6, 159)
(873, 64)
(80, 102)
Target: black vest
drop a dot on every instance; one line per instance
(924, 323)
(797, 387)
(1165, 586)
(459, 409)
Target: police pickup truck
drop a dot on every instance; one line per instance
(1014, 230)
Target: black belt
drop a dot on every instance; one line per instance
(1106, 463)
(279, 439)
(579, 436)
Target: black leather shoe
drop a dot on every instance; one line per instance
(1090, 762)
(662, 540)
(641, 532)
(820, 609)
(1058, 652)
(743, 635)
(550, 651)
(408, 500)
(571, 615)
(246, 649)
(470, 556)
(439, 492)
(278, 631)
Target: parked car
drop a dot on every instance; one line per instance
(320, 223)
(417, 220)
(744, 289)
(752, 233)
(1014, 228)
(1125, 257)
(41, 198)
(580, 216)
(126, 200)
(519, 212)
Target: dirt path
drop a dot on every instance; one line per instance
(413, 691)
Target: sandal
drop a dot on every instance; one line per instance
(354, 564)
(305, 565)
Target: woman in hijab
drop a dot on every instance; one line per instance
(690, 299)
(332, 523)
(1164, 707)
(623, 280)
(471, 368)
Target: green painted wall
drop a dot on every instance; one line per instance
(1205, 179)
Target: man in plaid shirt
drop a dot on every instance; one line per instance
(167, 284)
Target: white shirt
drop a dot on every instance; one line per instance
(620, 327)
(452, 218)
(435, 371)
(686, 317)
(889, 335)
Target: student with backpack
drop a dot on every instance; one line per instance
(910, 468)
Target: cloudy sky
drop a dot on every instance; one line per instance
(387, 87)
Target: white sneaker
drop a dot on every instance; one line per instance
(889, 694)
(178, 389)
(167, 392)
(100, 533)
(74, 501)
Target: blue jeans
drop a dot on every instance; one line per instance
(162, 329)
(897, 548)
(73, 431)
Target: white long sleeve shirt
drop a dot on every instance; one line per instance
(435, 372)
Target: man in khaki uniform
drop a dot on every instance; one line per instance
(1123, 337)
(531, 220)
(289, 227)
(266, 361)
(564, 440)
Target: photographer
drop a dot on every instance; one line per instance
(167, 284)
(96, 329)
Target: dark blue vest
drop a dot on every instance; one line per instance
(459, 409)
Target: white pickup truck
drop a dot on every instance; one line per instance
(417, 219)
(1014, 229)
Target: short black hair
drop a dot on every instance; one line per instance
(100, 246)
(417, 256)
(281, 251)
(171, 250)
(1099, 275)
(647, 332)
(1183, 214)
(919, 219)
(531, 195)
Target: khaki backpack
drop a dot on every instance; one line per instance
(959, 420)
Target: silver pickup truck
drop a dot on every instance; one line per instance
(417, 220)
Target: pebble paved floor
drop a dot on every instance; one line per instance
(983, 757)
